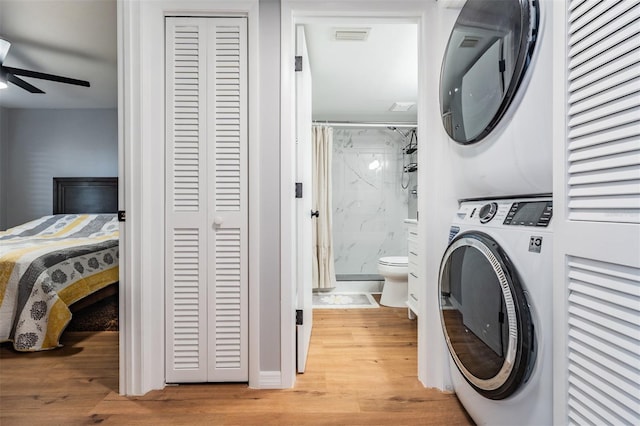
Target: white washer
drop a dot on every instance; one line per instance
(515, 157)
(496, 286)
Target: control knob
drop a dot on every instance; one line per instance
(487, 212)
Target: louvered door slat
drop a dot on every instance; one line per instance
(587, 344)
(626, 145)
(596, 404)
(603, 95)
(618, 31)
(621, 68)
(590, 9)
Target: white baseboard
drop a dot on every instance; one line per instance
(269, 380)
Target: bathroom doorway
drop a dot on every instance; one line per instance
(364, 99)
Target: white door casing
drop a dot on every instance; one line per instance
(206, 200)
(431, 349)
(304, 285)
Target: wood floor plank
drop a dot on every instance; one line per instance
(361, 371)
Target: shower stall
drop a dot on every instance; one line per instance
(374, 190)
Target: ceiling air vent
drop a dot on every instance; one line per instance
(468, 41)
(401, 106)
(351, 34)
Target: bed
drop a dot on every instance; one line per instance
(48, 264)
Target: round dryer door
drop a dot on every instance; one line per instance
(489, 50)
(485, 316)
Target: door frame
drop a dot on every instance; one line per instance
(141, 110)
(434, 373)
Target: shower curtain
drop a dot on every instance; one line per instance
(323, 264)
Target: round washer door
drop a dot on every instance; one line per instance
(489, 50)
(485, 316)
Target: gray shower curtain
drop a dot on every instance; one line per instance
(324, 275)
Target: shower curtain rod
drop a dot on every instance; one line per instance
(364, 124)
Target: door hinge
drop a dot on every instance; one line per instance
(502, 65)
(298, 189)
(122, 216)
(298, 63)
(299, 316)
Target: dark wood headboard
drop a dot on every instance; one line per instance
(85, 195)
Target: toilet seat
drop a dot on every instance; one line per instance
(394, 261)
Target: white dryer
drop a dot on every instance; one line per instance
(496, 98)
(495, 286)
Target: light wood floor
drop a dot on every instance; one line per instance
(361, 371)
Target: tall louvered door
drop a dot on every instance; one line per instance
(597, 341)
(206, 200)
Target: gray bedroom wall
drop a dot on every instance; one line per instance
(43, 143)
(270, 185)
(3, 167)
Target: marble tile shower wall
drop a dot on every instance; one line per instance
(369, 203)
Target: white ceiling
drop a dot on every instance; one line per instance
(71, 38)
(360, 80)
(352, 80)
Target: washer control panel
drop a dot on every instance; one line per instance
(524, 212)
(529, 213)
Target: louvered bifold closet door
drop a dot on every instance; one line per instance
(206, 200)
(602, 214)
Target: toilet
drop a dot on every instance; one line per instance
(395, 270)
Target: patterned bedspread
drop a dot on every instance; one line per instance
(45, 266)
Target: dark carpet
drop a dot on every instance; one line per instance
(101, 316)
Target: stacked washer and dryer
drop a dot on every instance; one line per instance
(496, 274)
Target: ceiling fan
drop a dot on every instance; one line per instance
(10, 74)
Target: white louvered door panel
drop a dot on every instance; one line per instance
(228, 200)
(186, 207)
(604, 111)
(597, 203)
(206, 200)
(604, 343)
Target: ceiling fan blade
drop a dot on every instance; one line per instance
(21, 83)
(44, 76)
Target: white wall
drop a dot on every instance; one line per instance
(436, 203)
(3, 167)
(44, 143)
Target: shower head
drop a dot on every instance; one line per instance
(395, 129)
